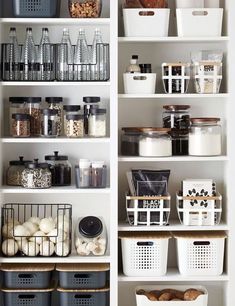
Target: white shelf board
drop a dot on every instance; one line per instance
(54, 83)
(174, 226)
(171, 39)
(173, 275)
(55, 140)
(60, 190)
(56, 21)
(173, 159)
(174, 96)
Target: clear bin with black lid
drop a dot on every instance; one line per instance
(89, 104)
(20, 125)
(91, 236)
(14, 171)
(60, 169)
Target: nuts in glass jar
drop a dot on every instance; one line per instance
(85, 9)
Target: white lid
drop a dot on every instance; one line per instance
(97, 164)
(84, 163)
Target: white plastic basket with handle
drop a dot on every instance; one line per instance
(139, 83)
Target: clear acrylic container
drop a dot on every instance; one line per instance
(98, 174)
(97, 123)
(33, 105)
(85, 8)
(14, 171)
(74, 126)
(91, 236)
(20, 125)
(56, 103)
(49, 123)
(83, 174)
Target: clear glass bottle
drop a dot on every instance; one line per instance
(65, 57)
(205, 137)
(56, 103)
(81, 58)
(49, 124)
(130, 141)
(45, 57)
(97, 69)
(89, 104)
(60, 169)
(14, 171)
(20, 125)
(33, 108)
(134, 66)
(85, 8)
(83, 174)
(74, 126)
(14, 56)
(97, 123)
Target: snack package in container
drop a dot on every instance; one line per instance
(145, 4)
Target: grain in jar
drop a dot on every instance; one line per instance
(89, 104)
(56, 103)
(20, 125)
(33, 109)
(97, 123)
(70, 110)
(74, 126)
(14, 171)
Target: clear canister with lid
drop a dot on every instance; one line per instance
(130, 141)
(20, 125)
(205, 137)
(176, 117)
(91, 236)
(56, 103)
(85, 8)
(36, 175)
(74, 126)
(70, 110)
(49, 124)
(17, 106)
(60, 169)
(97, 122)
(155, 142)
(83, 174)
(89, 104)
(33, 108)
(14, 171)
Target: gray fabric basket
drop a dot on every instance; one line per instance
(36, 8)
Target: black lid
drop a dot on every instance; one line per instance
(90, 227)
(91, 99)
(35, 164)
(44, 29)
(49, 112)
(33, 100)
(54, 99)
(98, 111)
(18, 99)
(12, 29)
(21, 117)
(20, 162)
(56, 156)
(145, 65)
(72, 108)
(74, 117)
(28, 29)
(135, 57)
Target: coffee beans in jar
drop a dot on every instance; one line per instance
(20, 125)
(85, 8)
(74, 126)
(33, 109)
(56, 103)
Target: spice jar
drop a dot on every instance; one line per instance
(49, 123)
(130, 141)
(56, 103)
(17, 106)
(60, 169)
(205, 137)
(90, 103)
(74, 126)
(14, 171)
(33, 109)
(20, 125)
(155, 142)
(83, 174)
(70, 110)
(36, 175)
(85, 8)
(97, 123)
(91, 236)
(98, 174)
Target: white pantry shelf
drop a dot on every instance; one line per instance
(176, 96)
(56, 21)
(134, 159)
(55, 83)
(172, 39)
(56, 140)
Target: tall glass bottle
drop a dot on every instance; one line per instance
(97, 67)
(14, 56)
(44, 57)
(66, 57)
(81, 58)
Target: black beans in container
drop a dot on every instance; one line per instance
(179, 142)
(176, 117)
(130, 141)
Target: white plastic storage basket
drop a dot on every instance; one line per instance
(200, 253)
(189, 3)
(144, 254)
(139, 83)
(199, 22)
(142, 300)
(146, 22)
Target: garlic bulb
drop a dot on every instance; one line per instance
(35, 220)
(12, 221)
(38, 237)
(82, 250)
(78, 242)
(21, 243)
(31, 227)
(62, 248)
(99, 250)
(57, 236)
(47, 248)
(30, 249)
(9, 247)
(20, 231)
(7, 230)
(47, 225)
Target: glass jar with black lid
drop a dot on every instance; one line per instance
(17, 106)
(70, 110)
(60, 169)
(33, 108)
(49, 124)
(14, 171)
(56, 103)
(89, 104)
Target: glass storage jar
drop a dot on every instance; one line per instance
(155, 142)
(49, 123)
(36, 175)
(56, 103)
(85, 8)
(20, 125)
(60, 169)
(98, 174)
(74, 126)
(33, 109)
(179, 142)
(97, 123)
(91, 236)
(205, 137)
(130, 141)
(176, 116)
(70, 110)
(17, 106)
(83, 174)
(14, 171)
(89, 104)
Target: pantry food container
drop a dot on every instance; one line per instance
(27, 297)
(49, 124)
(14, 171)
(175, 77)
(56, 103)
(82, 276)
(33, 105)
(190, 3)
(70, 110)
(142, 300)
(89, 104)
(85, 8)
(20, 125)
(27, 276)
(38, 9)
(200, 253)
(16, 106)
(139, 83)
(205, 137)
(74, 126)
(149, 210)
(97, 122)
(130, 141)
(144, 254)
(138, 22)
(192, 22)
(201, 211)
(80, 297)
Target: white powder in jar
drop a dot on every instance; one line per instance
(97, 128)
(155, 147)
(205, 144)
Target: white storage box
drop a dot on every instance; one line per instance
(144, 254)
(199, 22)
(139, 83)
(200, 253)
(189, 3)
(142, 300)
(146, 22)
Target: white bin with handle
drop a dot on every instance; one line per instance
(139, 83)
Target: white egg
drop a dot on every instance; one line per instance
(9, 247)
(82, 250)
(78, 242)
(99, 250)
(38, 237)
(35, 220)
(62, 248)
(47, 248)
(21, 243)
(30, 249)
(20, 232)
(57, 236)
(47, 225)
(7, 230)
(31, 227)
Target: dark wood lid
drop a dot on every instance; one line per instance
(176, 107)
(205, 119)
(144, 235)
(84, 267)
(50, 289)
(27, 267)
(106, 289)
